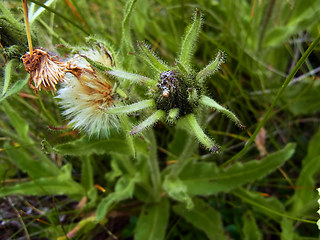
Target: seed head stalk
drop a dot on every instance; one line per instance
(25, 10)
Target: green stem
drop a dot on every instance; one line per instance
(184, 158)
(279, 93)
(154, 165)
(46, 113)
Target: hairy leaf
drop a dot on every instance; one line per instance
(131, 108)
(149, 122)
(152, 59)
(134, 78)
(7, 76)
(189, 41)
(16, 87)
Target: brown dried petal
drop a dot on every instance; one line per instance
(46, 70)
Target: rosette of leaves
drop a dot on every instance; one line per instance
(176, 92)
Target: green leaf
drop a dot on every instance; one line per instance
(304, 198)
(35, 168)
(303, 97)
(177, 191)
(7, 76)
(126, 42)
(211, 68)
(250, 229)
(17, 87)
(189, 41)
(133, 78)
(203, 178)
(203, 217)
(85, 146)
(61, 184)
(195, 129)
(269, 206)
(150, 57)
(126, 125)
(124, 189)
(287, 229)
(153, 221)
(20, 124)
(204, 100)
(131, 108)
(149, 122)
(86, 172)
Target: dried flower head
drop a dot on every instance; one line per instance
(45, 69)
(86, 92)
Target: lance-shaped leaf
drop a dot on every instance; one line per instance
(189, 41)
(85, 146)
(150, 121)
(124, 189)
(203, 217)
(61, 184)
(7, 76)
(36, 168)
(204, 100)
(126, 41)
(134, 78)
(16, 87)
(304, 198)
(211, 68)
(152, 59)
(250, 228)
(131, 108)
(153, 221)
(203, 178)
(20, 124)
(269, 206)
(197, 131)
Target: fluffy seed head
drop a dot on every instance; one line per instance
(45, 69)
(85, 93)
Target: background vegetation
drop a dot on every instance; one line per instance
(57, 183)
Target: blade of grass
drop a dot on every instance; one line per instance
(279, 93)
(60, 15)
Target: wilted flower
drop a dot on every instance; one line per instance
(46, 69)
(87, 91)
